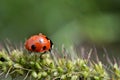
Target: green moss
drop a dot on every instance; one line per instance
(51, 67)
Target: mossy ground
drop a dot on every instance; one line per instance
(19, 64)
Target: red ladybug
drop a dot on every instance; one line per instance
(38, 43)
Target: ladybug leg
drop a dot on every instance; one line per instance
(49, 50)
(42, 54)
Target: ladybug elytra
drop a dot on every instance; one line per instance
(38, 43)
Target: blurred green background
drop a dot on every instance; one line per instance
(69, 22)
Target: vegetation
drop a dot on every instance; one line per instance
(53, 66)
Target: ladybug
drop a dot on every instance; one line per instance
(38, 43)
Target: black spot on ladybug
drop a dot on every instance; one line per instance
(33, 47)
(2, 59)
(44, 47)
